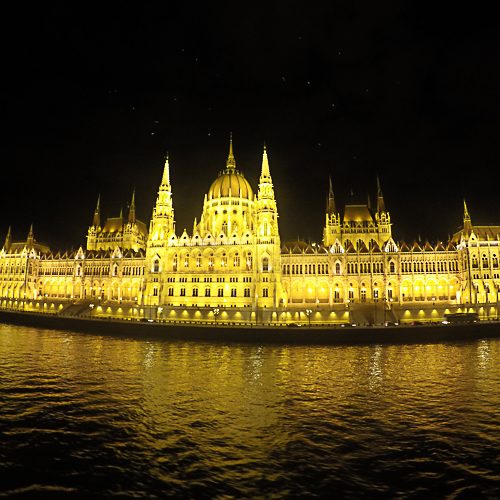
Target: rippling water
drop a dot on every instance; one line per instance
(93, 416)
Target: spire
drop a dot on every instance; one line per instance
(8, 240)
(466, 212)
(131, 212)
(265, 172)
(166, 173)
(231, 163)
(31, 237)
(380, 198)
(121, 213)
(467, 220)
(96, 222)
(162, 223)
(331, 208)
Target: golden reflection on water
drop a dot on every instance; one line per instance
(251, 411)
(254, 382)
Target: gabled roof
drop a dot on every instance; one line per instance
(403, 247)
(416, 247)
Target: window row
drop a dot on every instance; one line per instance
(207, 292)
(441, 266)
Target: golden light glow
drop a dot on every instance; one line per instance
(242, 266)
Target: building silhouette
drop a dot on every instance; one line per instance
(233, 267)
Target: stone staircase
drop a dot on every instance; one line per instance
(80, 308)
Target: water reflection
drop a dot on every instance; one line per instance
(483, 353)
(237, 420)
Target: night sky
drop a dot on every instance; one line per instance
(94, 97)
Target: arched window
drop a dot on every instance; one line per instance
(265, 264)
(156, 266)
(392, 268)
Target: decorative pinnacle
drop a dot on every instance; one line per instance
(265, 172)
(166, 172)
(466, 211)
(380, 198)
(231, 162)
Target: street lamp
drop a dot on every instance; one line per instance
(158, 312)
(216, 312)
(308, 314)
(91, 306)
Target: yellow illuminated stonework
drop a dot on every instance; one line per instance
(233, 268)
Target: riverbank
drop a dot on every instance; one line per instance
(332, 335)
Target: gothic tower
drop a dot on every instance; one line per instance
(382, 217)
(161, 230)
(331, 232)
(268, 278)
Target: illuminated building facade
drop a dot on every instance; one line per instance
(232, 266)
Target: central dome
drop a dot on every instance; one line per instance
(230, 183)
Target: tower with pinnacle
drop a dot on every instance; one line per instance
(268, 280)
(161, 236)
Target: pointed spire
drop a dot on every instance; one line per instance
(380, 198)
(467, 220)
(8, 240)
(466, 212)
(166, 173)
(331, 208)
(121, 213)
(265, 172)
(131, 212)
(231, 162)
(31, 237)
(96, 222)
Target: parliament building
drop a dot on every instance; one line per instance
(233, 267)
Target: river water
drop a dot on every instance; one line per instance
(87, 416)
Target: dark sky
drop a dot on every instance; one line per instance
(93, 98)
